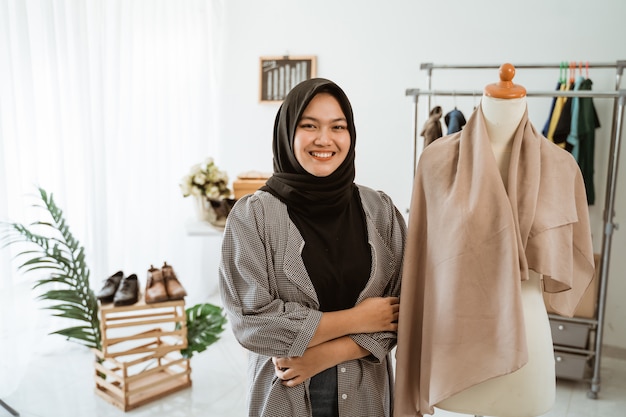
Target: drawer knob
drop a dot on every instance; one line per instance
(559, 359)
(561, 327)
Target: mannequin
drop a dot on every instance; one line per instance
(473, 330)
(530, 391)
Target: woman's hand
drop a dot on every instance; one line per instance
(377, 314)
(295, 370)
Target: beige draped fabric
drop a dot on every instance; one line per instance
(471, 242)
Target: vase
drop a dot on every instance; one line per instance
(213, 211)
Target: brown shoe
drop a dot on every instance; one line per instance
(155, 286)
(175, 290)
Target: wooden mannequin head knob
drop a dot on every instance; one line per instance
(505, 87)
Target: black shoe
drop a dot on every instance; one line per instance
(128, 292)
(106, 294)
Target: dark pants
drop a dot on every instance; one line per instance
(323, 390)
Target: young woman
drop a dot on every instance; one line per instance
(310, 270)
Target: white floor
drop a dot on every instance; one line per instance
(59, 383)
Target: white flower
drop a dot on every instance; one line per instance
(200, 179)
(206, 179)
(185, 187)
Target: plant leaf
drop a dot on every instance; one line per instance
(53, 248)
(205, 322)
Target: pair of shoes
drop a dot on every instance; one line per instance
(163, 285)
(119, 289)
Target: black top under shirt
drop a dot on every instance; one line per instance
(337, 255)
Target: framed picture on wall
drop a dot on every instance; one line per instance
(279, 74)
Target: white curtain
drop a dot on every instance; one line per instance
(106, 104)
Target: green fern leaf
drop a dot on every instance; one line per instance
(54, 249)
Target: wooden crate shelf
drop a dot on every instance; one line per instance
(140, 360)
(126, 328)
(128, 385)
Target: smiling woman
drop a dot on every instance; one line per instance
(322, 319)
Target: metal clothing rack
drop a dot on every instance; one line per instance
(9, 408)
(619, 97)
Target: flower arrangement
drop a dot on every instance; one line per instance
(206, 180)
(209, 187)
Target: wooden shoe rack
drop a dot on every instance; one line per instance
(140, 360)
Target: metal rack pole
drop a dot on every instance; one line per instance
(415, 134)
(7, 407)
(609, 227)
(429, 67)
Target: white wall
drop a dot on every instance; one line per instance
(375, 52)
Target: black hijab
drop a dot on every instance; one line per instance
(303, 192)
(326, 210)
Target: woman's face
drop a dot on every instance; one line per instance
(322, 139)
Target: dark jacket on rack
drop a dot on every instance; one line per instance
(555, 114)
(562, 129)
(572, 138)
(588, 122)
(546, 126)
(454, 120)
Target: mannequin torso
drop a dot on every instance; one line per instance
(529, 391)
(502, 117)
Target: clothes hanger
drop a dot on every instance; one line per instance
(562, 69)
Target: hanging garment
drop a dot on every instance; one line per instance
(469, 246)
(455, 120)
(588, 122)
(432, 128)
(556, 113)
(564, 122)
(572, 137)
(546, 127)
